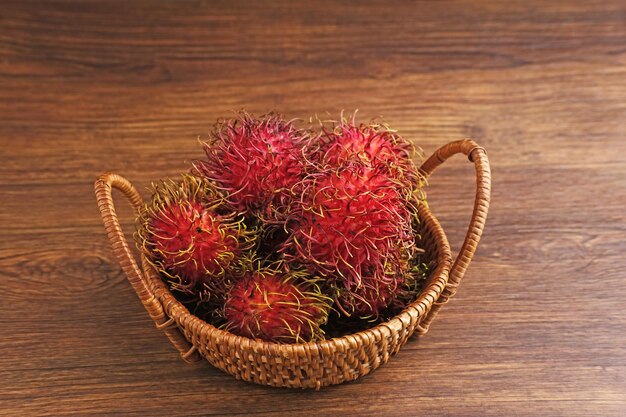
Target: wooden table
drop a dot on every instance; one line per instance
(538, 326)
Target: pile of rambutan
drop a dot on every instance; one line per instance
(291, 235)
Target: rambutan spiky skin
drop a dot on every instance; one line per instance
(276, 306)
(374, 144)
(413, 282)
(256, 161)
(353, 227)
(192, 236)
(370, 299)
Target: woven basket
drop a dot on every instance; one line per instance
(314, 364)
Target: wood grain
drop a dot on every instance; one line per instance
(538, 326)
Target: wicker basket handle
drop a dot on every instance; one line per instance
(477, 155)
(103, 188)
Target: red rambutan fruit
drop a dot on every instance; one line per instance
(369, 298)
(353, 227)
(192, 236)
(373, 144)
(276, 305)
(256, 161)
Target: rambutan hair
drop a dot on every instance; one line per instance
(192, 236)
(374, 144)
(277, 305)
(352, 226)
(256, 161)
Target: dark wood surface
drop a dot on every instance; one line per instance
(537, 328)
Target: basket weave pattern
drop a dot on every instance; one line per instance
(314, 364)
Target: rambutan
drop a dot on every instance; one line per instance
(374, 144)
(256, 161)
(413, 282)
(192, 236)
(275, 305)
(375, 298)
(352, 226)
(369, 298)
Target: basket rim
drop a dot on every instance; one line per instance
(409, 318)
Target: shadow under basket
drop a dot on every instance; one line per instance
(314, 364)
